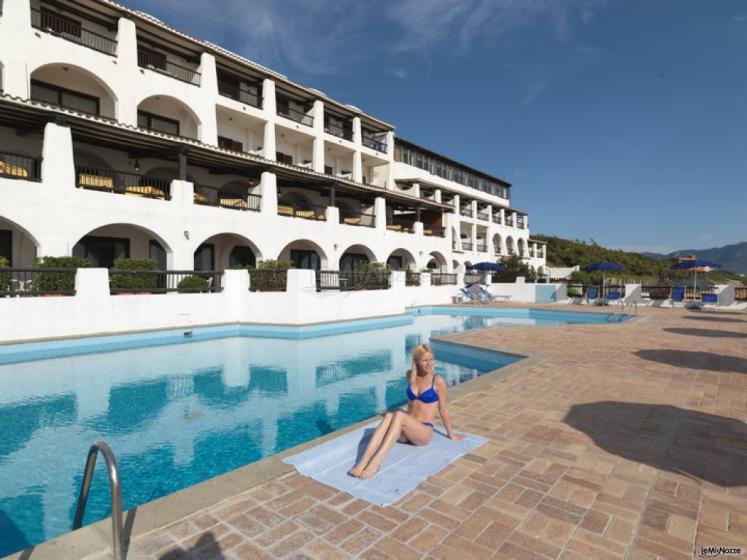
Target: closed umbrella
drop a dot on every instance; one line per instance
(694, 265)
(603, 266)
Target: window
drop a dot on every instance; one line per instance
(59, 23)
(242, 256)
(352, 261)
(148, 57)
(102, 251)
(284, 158)
(156, 122)
(157, 253)
(205, 257)
(305, 259)
(229, 144)
(6, 245)
(49, 93)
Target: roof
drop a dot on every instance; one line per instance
(399, 139)
(238, 58)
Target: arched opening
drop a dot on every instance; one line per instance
(354, 257)
(522, 247)
(467, 265)
(226, 250)
(163, 113)
(437, 262)
(510, 249)
(17, 246)
(73, 87)
(401, 259)
(456, 266)
(497, 244)
(122, 241)
(304, 254)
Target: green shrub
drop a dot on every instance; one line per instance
(513, 266)
(4, 276)
(269, 276)
(193, 283)
(132, 281)
(58, 282)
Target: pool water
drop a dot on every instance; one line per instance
(176, 415)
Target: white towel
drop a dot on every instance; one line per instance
(404, 467)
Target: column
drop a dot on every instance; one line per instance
(16, 21)
(357, 155)
(127, 64)
(526, 221)
(503, 216)
(473, 206)
(58, 165)
(268, 187)
(515, 216)
(209, 89)
(317, 159)
(269, 106)
(380, 210)
(473, 230)
(437, 195)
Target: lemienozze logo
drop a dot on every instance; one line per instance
(713, 551)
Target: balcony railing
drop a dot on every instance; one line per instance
(443, 279)
(497, 219)
(520, 223)
(466, 245)
(483, 216)
(740, 293)
(122, 182)
(268, 280)
(531, 252)
(435, 231)
(308, 212)
(17, 166)
(655, 292)
(164, 281)
(365, 219)
(338, 131)
(208, 196)
(295, 115)
(26, 282)
(374, 144)
(475, 278)
(400, 224)
(72, 31)
(240, 93)
(509, 221)
(351, 280)
(466, 211)
(149, 59)
(412, 278)
(482, 247)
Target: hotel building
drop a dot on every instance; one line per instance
(123, 137)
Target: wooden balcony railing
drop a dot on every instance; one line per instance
(17, 166)
(307, 212)
(740, 293)
(72, 30)
(122, 182)
(412, 278)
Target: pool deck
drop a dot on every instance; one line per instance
(611, 441)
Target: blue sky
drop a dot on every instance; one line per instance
(619, 120)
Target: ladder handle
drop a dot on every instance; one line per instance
(116, 492)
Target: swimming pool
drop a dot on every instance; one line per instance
(178, 415)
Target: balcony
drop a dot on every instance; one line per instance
(339, 131)
(72, 30)
(295, 115)
(156, 61)
(305, 211)
(482, 247)
(509, 221)
(466, 211)
(434, 231)
(364, 219)
(400, 224)
(497, 218)
(467, 245)
(374, 144)
(520, 223)
(122, 182)
(485, 216)
(210, 196)
(17, 166)
(240, 93)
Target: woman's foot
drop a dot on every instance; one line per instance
(356, 471)
(370, 471)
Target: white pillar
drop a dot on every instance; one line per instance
(58, 164)
(270, 107)
(268, 187)
(318, 149)
(209, 89)
(390, 145)
(380, 210)
(16, 19)
(515, 216)
(473, 229)
(127, 64)
(416, 190)
(437, 195)
(92, 283)
(357, 155)
(503, 216)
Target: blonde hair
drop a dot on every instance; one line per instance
(417, 353)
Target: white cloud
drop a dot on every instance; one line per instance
(399, 73)
(534, 93)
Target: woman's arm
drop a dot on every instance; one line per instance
(443, 410)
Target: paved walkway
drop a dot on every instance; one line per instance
(618, 441)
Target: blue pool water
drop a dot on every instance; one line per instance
(176, 415)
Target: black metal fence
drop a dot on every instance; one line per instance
(655, 292)
(268, 280)
(25, 282)
(475, 278)
(17, 166)
(374, 144)
(240, 92)
(210, 196)
(412, 278)
(158, 62)
(294, 115)
(164, 281)
(365, 219)
(308, 212)
(400, 224)
(72, 31)
(443, 279)
(338, 131)
(122, 182)
(352, 280)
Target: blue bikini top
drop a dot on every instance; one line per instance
(428, 396)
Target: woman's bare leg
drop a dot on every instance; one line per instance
(373, 445)
(401, 424)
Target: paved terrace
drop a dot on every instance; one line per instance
(613, 441)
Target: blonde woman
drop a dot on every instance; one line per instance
(426, 392)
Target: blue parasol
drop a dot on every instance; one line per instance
(487, 267)
(694, 265)
(603, 266)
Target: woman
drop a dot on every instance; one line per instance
(426, 392)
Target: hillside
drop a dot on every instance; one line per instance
(732, 257)
(566, 252)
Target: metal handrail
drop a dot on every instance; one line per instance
(116, 492)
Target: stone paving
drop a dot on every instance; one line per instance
(617, 441)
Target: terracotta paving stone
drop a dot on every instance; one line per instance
(615, 441)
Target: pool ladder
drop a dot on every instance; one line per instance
(116, 492)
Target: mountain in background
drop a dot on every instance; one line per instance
(731, 257)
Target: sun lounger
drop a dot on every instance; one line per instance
(613, 296)
(592, 294)
(677, 295)
(705, 299)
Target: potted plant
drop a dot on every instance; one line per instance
(61, 280)
(193, 284)
(134, 276)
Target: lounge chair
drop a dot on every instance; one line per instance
(592, 294)
(466, 295)
(613, 296)
(706, 298)
(481, 293)
(677, 295)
